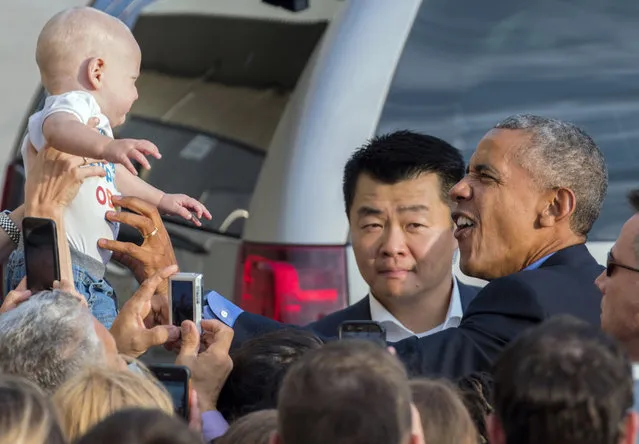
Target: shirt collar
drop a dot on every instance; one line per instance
(635, 372)
(538, 263)
(396, 331)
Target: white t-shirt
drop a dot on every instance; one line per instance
(84, 218)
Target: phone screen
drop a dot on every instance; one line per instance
(177, 390)
(367, 330)
(181, 301)
(176, 380)
(41, 253)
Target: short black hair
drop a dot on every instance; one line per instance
(564, 381)
(259, 366)
(403, 155)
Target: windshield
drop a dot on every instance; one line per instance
(468, 64)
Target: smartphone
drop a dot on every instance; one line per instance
(185, 298)
(40, 253)
(369, 330)
(177, 381)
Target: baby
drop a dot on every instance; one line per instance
(89, 63)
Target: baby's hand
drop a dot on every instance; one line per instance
(185, 206)
(122, 150)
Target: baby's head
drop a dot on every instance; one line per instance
(86, 49)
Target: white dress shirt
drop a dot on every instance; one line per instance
(396, 331)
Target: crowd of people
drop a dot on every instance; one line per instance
(543, 353)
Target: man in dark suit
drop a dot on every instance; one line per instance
(533, 190)
(396, 198)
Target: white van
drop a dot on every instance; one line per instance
(256, 110)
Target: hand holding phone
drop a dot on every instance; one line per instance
(367, 330)
(40, 253)
(185, 299)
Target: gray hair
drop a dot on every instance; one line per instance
(48, 338)
(561, 155)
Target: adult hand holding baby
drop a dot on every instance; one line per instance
(54, 181)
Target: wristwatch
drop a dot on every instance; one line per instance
(9, 227)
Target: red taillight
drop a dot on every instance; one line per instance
(293, 284)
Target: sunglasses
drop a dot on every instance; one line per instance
(611, 264)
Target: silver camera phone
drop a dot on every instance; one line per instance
(185, 298)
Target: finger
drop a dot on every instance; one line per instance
(183, 212)
(20, 297)
(141, 223)
(126, 163)
(158, 335)
(195, 416)
(137, 155)
(149, 286)
(206, 213)
(149, 148)
(93, 122)
(22, 286)
(223, 333)
(174, 334)
(90, 171)
(16, 297)
(139, 206)
(122, 248)
(190, 342)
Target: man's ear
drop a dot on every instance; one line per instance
(630, 428)
(95, 72)
(495, 431)
(559, 206)
(274, 438)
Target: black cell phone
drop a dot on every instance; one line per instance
(177, 381)
(369, 330)
(40, 253)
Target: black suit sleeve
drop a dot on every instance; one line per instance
(502, 310)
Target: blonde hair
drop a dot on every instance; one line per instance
(444, 416)
(97, 392)
(26, 416)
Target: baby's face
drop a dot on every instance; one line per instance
(119, 91)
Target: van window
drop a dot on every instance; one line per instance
(467, 65)
(219, 172)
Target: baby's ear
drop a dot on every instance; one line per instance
(95, 72)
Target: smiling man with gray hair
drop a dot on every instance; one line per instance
(49, 338)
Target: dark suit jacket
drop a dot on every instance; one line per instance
(504, 308)
(361, 311)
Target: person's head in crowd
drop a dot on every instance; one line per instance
(259, 366)
(534, 186)
(476, 391)
(26, 416)
(141, 426)
(254, 428)
(49, 338)
(96, 392)
(396, 197)
(86, 49)
(347, 392)
(566, 382)
(439, 406)
(619, 284)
